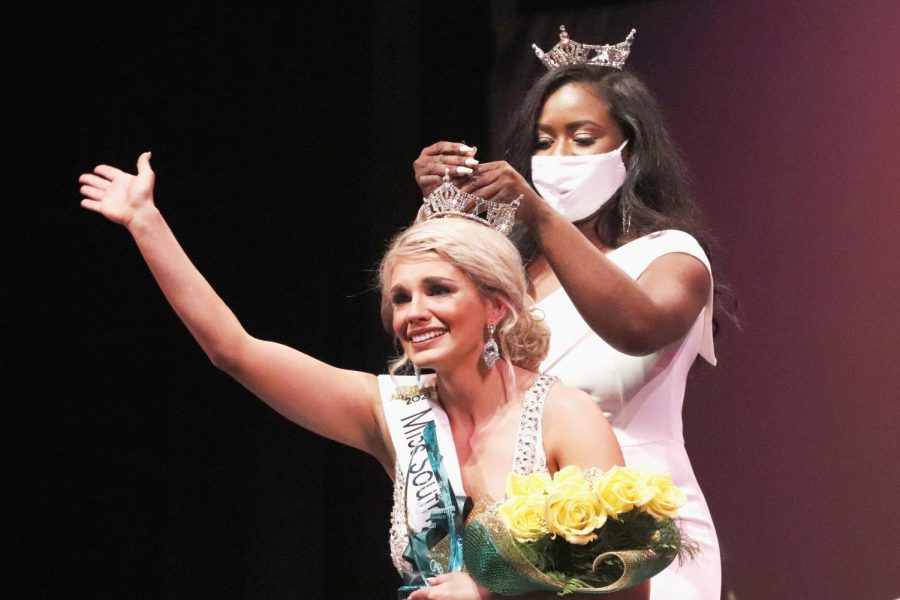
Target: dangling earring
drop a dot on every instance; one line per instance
(491, 352)
(626, 219)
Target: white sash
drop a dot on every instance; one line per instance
(406, 419)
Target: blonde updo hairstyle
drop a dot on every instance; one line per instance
(493, 264)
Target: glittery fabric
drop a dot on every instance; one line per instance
(398, 539)
(529, 458)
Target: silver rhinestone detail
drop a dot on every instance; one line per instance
(530, 457)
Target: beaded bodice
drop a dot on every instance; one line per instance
(529, 458)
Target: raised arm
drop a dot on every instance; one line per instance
(338, 404)
(635, 317)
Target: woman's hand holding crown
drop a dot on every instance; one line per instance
(118, 195)
(499, 182)
(434, 160)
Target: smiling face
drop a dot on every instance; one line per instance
(439, 315)
(574, 121)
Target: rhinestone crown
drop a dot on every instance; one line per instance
(447, 200)
(570, 52)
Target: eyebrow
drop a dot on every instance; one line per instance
(572, 125)
(431, 280)
(435, 279)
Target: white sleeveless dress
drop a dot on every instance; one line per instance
(414, 489)
(642, 397)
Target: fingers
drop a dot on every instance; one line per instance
(450, 148)
(431, 176)
(491, 190)
(488, 173)
(450, 160)
(494, 192)
(93, 181)
(91, 205)
(431, 182)
(143, 164)
(436, 163)
(480, 180)
(442, 155)
(426, 593)
(437, 168)
(107, 172)
(91, 192)
(492, 166)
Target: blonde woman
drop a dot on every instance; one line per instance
(450, 283)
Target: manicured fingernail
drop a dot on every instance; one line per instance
(463, 171)
(464, 148)
(471, 162)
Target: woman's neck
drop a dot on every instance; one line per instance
(473, 395)
(588, 229)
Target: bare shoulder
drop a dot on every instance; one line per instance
(565, 402)
(576, 432)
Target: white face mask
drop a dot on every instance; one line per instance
(577, 186)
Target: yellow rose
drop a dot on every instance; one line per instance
(622, 489)
(667, 498)
(527, 485)
(524, 517)
(574, 511)
(567, 475)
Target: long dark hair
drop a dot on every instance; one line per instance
(655, 195)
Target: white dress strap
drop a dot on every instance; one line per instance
(529, 456)
(416, 491)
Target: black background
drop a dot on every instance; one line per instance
(282, 138)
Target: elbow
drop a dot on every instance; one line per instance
(221, 361)
(635, 349)
(635, 346)
(226, 356)
(633, 339)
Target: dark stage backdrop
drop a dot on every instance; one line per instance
(282, 141)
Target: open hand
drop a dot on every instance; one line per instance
(118, 195)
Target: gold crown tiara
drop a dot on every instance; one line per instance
(447, 200)
(570, 52)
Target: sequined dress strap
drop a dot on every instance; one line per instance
(529, 457)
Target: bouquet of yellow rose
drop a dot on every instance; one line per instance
(579, 531)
